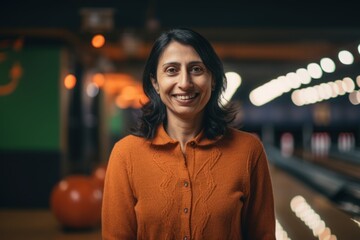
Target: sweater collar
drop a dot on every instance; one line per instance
(162, 138)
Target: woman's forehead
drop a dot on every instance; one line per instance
(178, 52)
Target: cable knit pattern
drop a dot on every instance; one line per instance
(167, 189)
(206, 188)
(219, 189)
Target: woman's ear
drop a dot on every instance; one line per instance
(155, 84)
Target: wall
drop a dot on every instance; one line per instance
(29, 125)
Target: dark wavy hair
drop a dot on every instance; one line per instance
(216, 117)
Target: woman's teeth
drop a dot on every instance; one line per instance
(185, 97)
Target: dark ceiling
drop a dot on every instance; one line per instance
(194, 13)
(260, 39)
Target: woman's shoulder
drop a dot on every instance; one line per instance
(237, 136)
(130, 141)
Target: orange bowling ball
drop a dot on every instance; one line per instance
(76, 202)
(98, 174)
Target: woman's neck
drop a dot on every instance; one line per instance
(183, 130)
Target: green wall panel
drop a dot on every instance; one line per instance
(30, 115)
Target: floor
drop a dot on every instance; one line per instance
(40, 224)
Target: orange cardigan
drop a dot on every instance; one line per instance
(219, 189)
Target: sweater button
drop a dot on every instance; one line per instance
(186, 210)
(192, 144)
(186, 238)
(186, 184)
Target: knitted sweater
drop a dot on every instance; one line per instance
(219, 189)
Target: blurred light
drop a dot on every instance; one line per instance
(129, 93)
(143, 99)
(152, 24)
(293, 80)
(63, 185)
(346, 57)
(75, 195)
(354, 97)
(327, 65)
(314, 70)
(325, 234)
(136, 104)
(282, 84)
(277, 87)
(358, 80)
(280, 233)
(98, 41)
(16, 70)
(94, 19)
(233, 83)
(318, 227)
(130, 43)
(18, 44)
(70, 81)
(348, 84)
(97, 19)
(97, 194)
(98, 79)
(121, 102)
(264, 94)
(100, 173)
(92, 90)
(296, 98)
(359, 48)
(296, 202)
(334, 89)
(311, 219)
(356, 221)
(323, 92)
(313, 94)
(339, 84)
(15, 74)
(304, 75)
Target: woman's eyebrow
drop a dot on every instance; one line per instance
(177, 63)
(171, 63)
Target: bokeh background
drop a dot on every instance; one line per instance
(70, 85)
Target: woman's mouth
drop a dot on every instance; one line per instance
(184, 97)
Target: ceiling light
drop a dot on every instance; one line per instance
(314, 70)
(346, 57)
(327, 65)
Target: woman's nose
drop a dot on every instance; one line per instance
(185, 80)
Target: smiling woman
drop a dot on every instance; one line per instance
(184, 84)
(184, 173)
(201, 62)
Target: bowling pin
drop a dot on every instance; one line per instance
(287, 144)
(341, 142)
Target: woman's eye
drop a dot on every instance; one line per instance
(171, 70)
(197, 69)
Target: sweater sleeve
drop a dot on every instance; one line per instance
(258, 216)
(118, 214)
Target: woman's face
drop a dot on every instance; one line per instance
(183, 82)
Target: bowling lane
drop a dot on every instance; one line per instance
(305, 214)
(347, 197)
(351, 156)
(318, 185)
(333, 162)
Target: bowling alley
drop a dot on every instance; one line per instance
(82, 82)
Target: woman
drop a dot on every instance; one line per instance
(184, 173)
